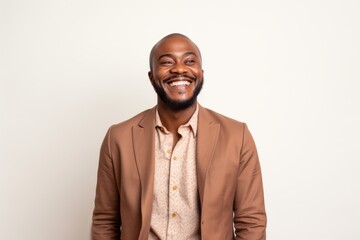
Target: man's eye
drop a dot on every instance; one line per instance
(190, 61)
(166, 63)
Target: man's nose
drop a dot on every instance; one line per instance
(179, 68)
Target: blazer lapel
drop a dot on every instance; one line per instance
(207, 136)
(143, 141)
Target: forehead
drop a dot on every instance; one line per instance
(175, 45)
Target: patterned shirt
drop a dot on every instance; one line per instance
(175, 213)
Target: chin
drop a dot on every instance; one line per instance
(178, 104)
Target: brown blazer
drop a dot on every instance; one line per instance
(228, 174)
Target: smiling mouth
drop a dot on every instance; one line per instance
(179, 83)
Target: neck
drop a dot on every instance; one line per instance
(173, 119)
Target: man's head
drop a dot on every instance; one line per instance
(176, 71)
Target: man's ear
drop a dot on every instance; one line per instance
(150, 74)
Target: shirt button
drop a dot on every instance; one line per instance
(169, 150)
(174, 187)
(173, 214)
(174, 158)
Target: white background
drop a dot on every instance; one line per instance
(70, 69)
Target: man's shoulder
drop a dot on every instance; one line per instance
(214, 116)
(133, 121)
(231, 129)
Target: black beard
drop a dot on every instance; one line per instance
(178, 105)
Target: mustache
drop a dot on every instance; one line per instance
(179, 76)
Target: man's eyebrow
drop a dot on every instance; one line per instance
(189, 53)
(171, 55)
(164, 55)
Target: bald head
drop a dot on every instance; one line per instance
(169, 41)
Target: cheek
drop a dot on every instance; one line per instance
(199, 75)
(160, 74)
(197, 71)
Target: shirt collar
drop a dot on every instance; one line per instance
(192, 123)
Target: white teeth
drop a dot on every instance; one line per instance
(179, 83)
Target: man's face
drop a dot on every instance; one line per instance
(176, 74)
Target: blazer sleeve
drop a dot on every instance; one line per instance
(106, 224)
(249, 208)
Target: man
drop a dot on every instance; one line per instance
(178, 170)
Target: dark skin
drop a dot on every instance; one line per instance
(175, 63)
